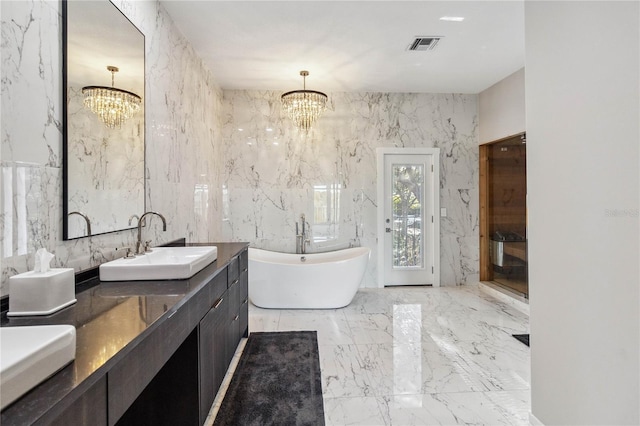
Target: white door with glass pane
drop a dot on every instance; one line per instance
(408, 238)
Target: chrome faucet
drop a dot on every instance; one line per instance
(356, 241)
(139, 247)
(301, 238)
(86, 219)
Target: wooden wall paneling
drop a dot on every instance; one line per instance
(507, 176)
(486, 272)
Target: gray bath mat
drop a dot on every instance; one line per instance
(277, 382)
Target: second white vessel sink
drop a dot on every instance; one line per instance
(30, 354)
(163, 263)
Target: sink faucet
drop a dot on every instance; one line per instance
(139, 247)
(86, 219)
(301, 238)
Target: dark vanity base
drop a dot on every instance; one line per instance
(172, 396)
(148, 352)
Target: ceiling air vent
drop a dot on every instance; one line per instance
(424, 43)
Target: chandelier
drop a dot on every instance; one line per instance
(113, 106)
(304, 106)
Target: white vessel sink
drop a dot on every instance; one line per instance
(163, 263)
(29, 355)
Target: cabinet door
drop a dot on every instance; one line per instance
(233, 271)
(244, 260)
(233, 320)
(244, 301)
(243, 321)
(238, 305)
(212, 353)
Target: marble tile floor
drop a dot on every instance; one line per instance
(414, 356)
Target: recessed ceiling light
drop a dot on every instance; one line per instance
(452, 18)
(269, 129)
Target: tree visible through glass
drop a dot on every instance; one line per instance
(408, 180)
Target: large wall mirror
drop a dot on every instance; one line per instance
(104, 129)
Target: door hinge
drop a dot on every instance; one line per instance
(431, 218)
(432, 168)
(432, 271)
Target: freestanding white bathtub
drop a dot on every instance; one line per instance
(306, 281)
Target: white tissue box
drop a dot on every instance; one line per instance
(41, 293)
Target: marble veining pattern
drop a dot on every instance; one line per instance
(107, 166)
(416, 356)
(183, 139)
(273, 172)
(210, 179)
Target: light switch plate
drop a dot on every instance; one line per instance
(443, 212)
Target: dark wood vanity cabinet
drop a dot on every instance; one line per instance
(239, 300)
(242, 298)
(221, 330)
(168, 373)
(129, 380)
(183, 390)
(212, 348)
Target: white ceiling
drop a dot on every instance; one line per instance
(354, 46)
(98, 35)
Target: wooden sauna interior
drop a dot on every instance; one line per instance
(503, 214)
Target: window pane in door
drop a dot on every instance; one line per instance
(408, 181)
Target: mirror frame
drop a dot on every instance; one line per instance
(65, 125)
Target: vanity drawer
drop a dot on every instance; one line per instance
(233, 272)
(217, 287)
(235, 297)
(244, 261)
(244, 284)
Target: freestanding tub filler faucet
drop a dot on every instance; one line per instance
(139, 246)
(301, 238)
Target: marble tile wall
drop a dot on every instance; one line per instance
(268, 177)
(183, 133)
(107, 165)
(273, 173)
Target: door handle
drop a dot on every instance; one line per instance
(387, 229)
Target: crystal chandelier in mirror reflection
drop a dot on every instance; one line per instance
(304, 106)
(113, 106)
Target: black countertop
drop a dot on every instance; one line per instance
(110, 318)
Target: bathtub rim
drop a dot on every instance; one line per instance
(330, 255)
